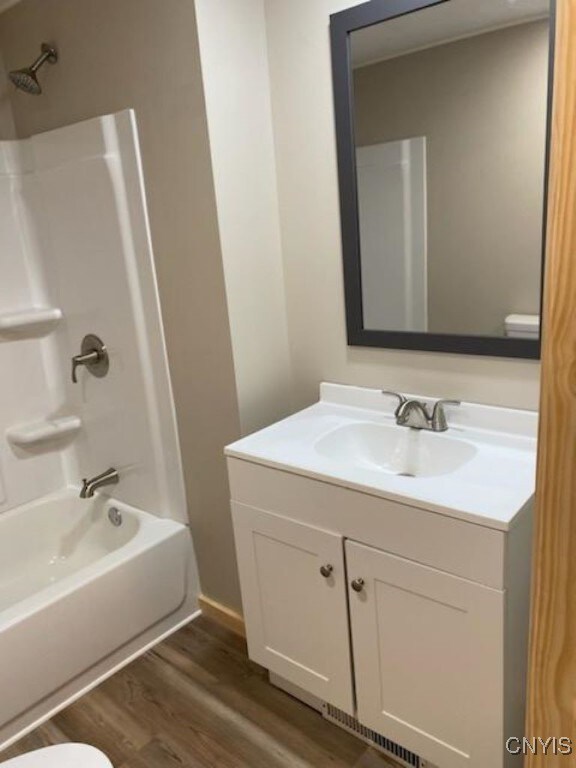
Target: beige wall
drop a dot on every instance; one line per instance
(7, 128)
(237, 90)
(485, 166)
(299, 56)
(143, 54)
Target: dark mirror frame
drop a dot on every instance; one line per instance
(342, 24)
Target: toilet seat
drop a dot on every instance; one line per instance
(61, 756)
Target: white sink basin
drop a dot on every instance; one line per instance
(481, 470)
(395, 450)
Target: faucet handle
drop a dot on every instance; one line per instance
(401, 399)
(447, 402)
(90, 358)
(93, 355)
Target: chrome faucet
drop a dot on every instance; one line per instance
(110, 477)
(415, 414)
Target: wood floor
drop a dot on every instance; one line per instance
(196, 701)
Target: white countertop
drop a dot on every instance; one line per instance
(493, 451)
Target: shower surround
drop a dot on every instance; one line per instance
(76, 258)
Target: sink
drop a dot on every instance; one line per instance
(482, 469)
(396, 450)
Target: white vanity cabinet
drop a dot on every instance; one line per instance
(412, 623)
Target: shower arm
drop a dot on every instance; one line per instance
(48, 54)
(39, 61)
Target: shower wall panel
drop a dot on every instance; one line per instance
(26, 394)
(79, 240)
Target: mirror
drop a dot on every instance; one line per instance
(442, 117)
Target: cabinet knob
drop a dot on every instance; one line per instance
(358, 585)
(327, 570)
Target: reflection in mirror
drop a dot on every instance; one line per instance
(450, 117)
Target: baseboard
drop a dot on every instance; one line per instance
(222, 615)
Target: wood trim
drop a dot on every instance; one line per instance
(552, 679)
(222, 615)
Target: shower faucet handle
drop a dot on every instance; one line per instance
(93, 356)
(88, 359)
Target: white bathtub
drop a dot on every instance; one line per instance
(74, 589)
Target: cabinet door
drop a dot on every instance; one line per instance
(296, 617)
(428, 657)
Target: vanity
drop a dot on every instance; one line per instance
(385, 571)
(384, 546)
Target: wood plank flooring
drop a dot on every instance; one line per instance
(197, 701)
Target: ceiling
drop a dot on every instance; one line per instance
(440, 24)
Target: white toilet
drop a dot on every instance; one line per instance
(61, 756)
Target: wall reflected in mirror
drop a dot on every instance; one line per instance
(450, 119)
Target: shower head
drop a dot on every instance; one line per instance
(26, 79)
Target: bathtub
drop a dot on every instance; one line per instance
(74, 588)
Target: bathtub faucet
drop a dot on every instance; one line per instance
(110, 477)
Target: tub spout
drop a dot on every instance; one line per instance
(110, 477)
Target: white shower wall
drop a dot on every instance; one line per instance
(25, 392)
(74, 236)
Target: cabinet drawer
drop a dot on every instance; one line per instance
(448, 544)
(293, 583)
